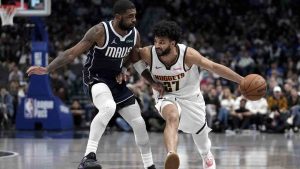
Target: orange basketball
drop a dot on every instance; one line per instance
(253, 87)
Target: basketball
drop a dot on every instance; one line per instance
(253, 87)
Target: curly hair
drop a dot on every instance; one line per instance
(168, 29)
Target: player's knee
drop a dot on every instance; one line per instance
(172, 118)
(170, 114)
(107, 109)
(109, 106)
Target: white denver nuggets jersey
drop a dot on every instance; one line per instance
(179, 80)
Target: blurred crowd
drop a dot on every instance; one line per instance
(250, 36)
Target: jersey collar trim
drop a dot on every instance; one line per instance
(168, 67)
(118, 35)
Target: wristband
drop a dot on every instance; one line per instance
(140, 66)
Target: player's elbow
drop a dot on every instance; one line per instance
(213, 67)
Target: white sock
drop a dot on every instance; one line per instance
(91, 147)
(147, 160)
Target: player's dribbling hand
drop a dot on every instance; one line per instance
(38, 70)
(122, 76)
(158, 87)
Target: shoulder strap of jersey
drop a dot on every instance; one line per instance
(106, 36)
(152, 49)
(183, 48)
(135, 36)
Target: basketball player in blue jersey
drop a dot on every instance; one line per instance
(182, 106)
(110, 43)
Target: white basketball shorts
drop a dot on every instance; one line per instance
(191, 112)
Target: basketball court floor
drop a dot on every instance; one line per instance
(64, 150)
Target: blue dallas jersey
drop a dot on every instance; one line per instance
(104, 63)
(107, 61)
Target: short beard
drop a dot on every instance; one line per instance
(165, 52)
(123, 26)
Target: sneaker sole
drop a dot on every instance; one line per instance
(211, 167)
(172, 161)
(93, 168)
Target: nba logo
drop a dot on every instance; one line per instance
(29, 108)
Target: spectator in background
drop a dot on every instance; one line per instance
(272, 82)
(260, 109)
(77, 112)
(24, 58)
(278, 101)
(287, 87)
(22, 90)
(15, 74)
(275, 71)
(241, 117)
(293, 98)
(6, 107)
(212, 105)
(245, 63)
(294, 108)
(227, 106)
(14, 91)
(4, 72)
(278, 107)
(59, 86)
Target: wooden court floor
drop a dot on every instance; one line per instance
(117, 150)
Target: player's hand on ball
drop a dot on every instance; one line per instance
(158, 87)
(120, 77)
(253, 87)
(37, 70)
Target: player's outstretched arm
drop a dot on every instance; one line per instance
(70, 54)
(194, 57)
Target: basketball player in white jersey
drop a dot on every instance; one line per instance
(182, 106)
(109, 43)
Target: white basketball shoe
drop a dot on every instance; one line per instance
(208, 161)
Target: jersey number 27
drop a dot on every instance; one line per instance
(171, 86)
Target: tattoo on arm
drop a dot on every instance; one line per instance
(59, 61)
(70, 54)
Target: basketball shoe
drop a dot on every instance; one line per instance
(172, 161)
(209, 161)
(151, 167)
(89, 162)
